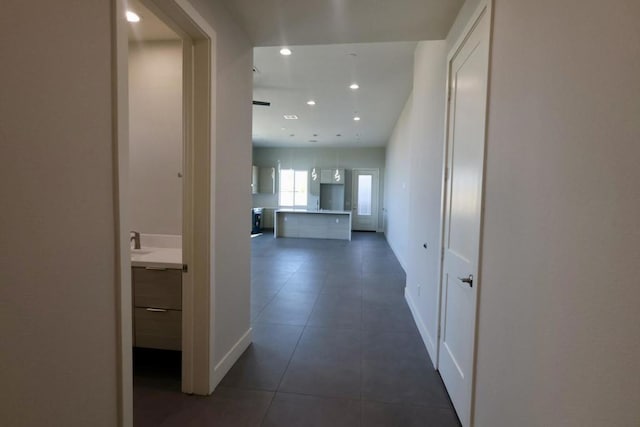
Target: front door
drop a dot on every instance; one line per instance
(364, 199)
(463, 207)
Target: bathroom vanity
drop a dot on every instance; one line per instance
(156, 276)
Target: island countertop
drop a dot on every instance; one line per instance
(313, 211)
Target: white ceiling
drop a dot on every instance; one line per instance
(150, 27)
(323, 73)
(305, 22)
(322, 69)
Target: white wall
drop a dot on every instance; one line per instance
(429, 92)
(397, 185)
(58, 308)
(57, 230)
(414, 186)
(155, 136)
(307, 158)
(558, 338)
(231, 192)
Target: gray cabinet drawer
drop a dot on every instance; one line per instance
(156, 328)
(157, 288)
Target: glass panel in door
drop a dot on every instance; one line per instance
(364, 194)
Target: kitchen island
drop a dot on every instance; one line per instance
(312, 224)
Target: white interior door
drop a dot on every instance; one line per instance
(463, 206)
(364, 199)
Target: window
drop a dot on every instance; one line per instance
(293, 188)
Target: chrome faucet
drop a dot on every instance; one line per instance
(136, 240)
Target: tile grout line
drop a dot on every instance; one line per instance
(307, 325)
(275, 392)
(284, 372)
(304, 328)
(274, 296)
(264, 417)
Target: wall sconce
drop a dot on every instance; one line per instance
(314, 174)
(337, 176)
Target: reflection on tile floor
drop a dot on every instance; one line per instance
(334, 344)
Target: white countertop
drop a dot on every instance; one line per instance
(157, 257)
(314, 211)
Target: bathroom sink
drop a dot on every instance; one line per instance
(140, 251)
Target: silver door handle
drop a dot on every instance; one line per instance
(467, 280)
(156, 310)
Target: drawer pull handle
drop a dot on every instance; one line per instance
(157, 310)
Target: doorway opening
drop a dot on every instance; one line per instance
(168, 308)
(365, 196)
(156, 146)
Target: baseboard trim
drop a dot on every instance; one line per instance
(427, 339)
(231, 357)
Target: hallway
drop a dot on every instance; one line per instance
(334, 344)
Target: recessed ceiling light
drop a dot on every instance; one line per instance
(311, 102)
(356, 118)
(354, 86)
(290, 117)
(132, 16)
(285, 51)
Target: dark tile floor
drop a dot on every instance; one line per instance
(334, 344)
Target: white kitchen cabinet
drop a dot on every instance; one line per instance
(267, 180)
(332, 176)
(314, 184)
(325, 176)
(157, 313)
(337, 176)
(255, 171)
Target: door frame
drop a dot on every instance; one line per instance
(353, 195)
(199, 53)
(483, 8)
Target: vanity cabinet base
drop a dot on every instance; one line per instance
(157, 308)
(160, 329)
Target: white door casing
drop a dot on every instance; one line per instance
(199, 41)
(364, 199)
(466, 123)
